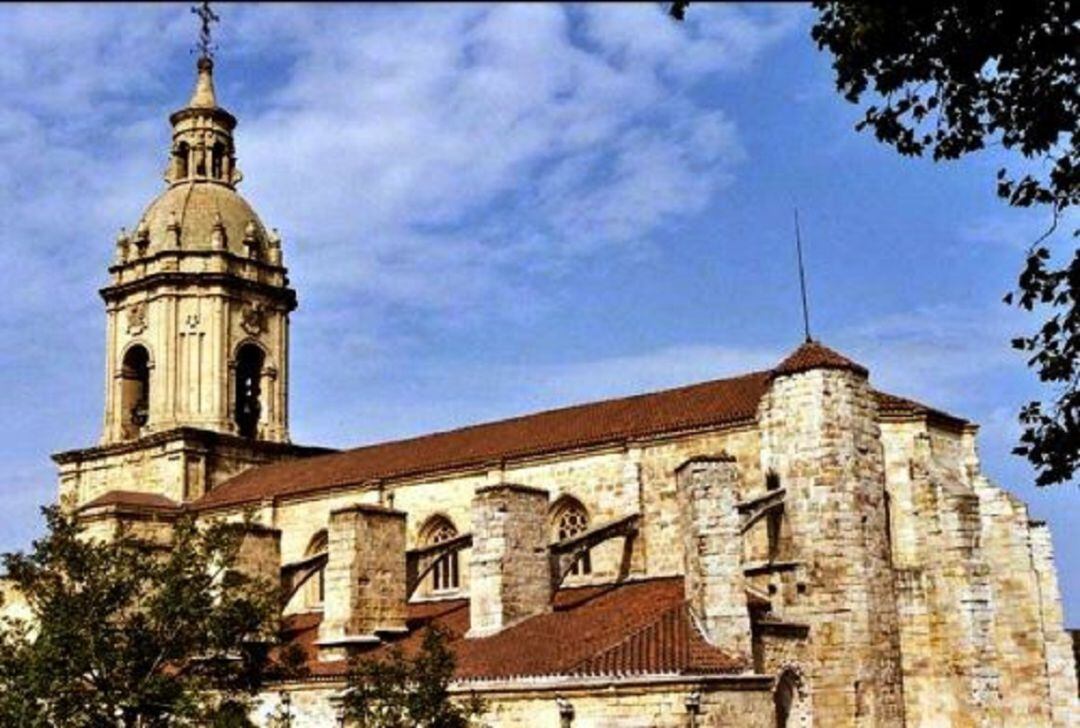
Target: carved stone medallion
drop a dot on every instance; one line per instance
(253, 319)
(136, 318)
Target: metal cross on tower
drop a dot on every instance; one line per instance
(207, 16)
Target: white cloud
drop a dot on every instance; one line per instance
(462, 146)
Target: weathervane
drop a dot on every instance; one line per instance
(207, 16)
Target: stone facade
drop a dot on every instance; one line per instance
(842, 559)
(820, 436)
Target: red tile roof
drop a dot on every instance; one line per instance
(813, 355)
(710, 404)
(634, 628)
(725, 401)
(152, 501)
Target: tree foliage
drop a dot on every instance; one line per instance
(954, 77)
(126, 632)
(401, 692)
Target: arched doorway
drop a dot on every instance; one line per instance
(791, 701)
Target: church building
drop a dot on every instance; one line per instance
(789, 547)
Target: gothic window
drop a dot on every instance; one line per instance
(568, 519)
(444, 575)
(249, 366)
(316, 586)
(135, 391)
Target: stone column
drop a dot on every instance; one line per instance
(820, 435)
(365, 578)
(259, 559)
(509, 572)
(712, 546)
(1060, 662)
(1017, 618)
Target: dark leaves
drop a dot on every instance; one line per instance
(951, 78)
(126, 627)
(401, 692)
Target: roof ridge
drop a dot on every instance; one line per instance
(561, 409)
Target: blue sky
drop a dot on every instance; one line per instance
(491, 210)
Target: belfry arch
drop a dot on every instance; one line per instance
(134, 392)
(247, 388)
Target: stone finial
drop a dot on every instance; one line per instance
(204, 97)
(123, 240)
(273, 245)
(218, 237)
(251, 238)
(142, 235)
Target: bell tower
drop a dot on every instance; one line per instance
(199, 300)
(197, 335)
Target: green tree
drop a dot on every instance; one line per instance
(126, 632)
(401, 692)
(950, 78)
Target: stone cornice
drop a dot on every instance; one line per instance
(284, 294)
(191, 437)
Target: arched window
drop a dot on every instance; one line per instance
(249, 366)
(135, 391)
(217, 160)
(183, 152)
(568, 519)
(444, 575)
(315, 592)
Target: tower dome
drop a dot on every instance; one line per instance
(201, 209)
(201, 215)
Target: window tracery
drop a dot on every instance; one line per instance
(569, 518)
(444, 574)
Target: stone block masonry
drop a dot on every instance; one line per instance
(820, 436)
(365, 578)
(708, 491)
(510, 571)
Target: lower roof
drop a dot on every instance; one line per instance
(633, 628)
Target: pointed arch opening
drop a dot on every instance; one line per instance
(250, 361)
(135, 391)
(445, 574)
(315, 588)
(569, 518)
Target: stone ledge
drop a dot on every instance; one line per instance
(515, 487)
(723, 457)
(369, 509)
